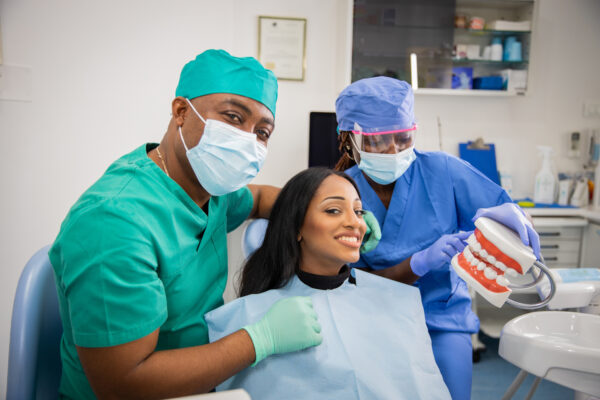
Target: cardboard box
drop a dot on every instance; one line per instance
(517, 26)
(462, 78)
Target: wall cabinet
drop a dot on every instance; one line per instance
(445, 46)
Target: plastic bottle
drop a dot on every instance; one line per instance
(496, 50)
(596, 196)
(545, 180)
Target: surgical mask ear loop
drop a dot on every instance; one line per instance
(179, 127)
(182, 141)
(194, 108)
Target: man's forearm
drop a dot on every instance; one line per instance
(173, 373)
(264, 197)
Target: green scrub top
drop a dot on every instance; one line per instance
(134, 254)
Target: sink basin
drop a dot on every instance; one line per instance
(560, 346)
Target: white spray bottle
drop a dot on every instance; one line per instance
(545, 180)
(595, 157)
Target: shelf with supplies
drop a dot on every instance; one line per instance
(440, 59)
(491, 62)
(461, 47)
(488, 32)
(467, 92)
(398, 29)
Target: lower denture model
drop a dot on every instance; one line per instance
(493, 250)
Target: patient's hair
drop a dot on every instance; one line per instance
(274, 263)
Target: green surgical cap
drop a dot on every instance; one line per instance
(217, 71)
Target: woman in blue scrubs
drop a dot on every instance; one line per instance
(425, 203)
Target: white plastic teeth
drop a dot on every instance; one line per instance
(471, 240)
(501, 280)
(468, 255)
(475, 247)
(489, 273)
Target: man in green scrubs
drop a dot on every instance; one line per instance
(142, 255)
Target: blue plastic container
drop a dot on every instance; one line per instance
(488, 83)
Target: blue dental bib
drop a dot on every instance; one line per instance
(375, 344)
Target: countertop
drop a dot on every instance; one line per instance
(590, 213)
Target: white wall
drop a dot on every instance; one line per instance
(104, 73)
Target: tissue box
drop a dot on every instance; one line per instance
(514, 80)
(462, 78)
(500, 25)
(460, 50)
(473, 51)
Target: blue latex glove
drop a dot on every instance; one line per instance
(511, 216)
(439, 254)
(289, 325)
(373, 233)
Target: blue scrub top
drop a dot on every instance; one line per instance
(437, 195)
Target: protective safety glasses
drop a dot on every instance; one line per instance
(390, 141)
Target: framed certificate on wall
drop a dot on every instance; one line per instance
(282, 46)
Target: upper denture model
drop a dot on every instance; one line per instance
(493, 250)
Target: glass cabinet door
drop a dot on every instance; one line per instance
(444, 44)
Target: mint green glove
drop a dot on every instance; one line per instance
(373, 233)
(289, 325)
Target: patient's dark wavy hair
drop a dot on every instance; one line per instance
(274, 263)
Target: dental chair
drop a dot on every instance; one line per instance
(253, 235)
(34, 366)
(560, 346)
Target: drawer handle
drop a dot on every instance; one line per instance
(551, 258)
(549, 246)
(549, 233)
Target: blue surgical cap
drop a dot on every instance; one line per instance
(216, 71)
(376, 104)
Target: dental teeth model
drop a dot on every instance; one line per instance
(493, 251)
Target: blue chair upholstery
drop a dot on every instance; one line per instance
(253, 236)
(34, 365)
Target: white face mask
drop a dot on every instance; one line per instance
(386, 168)
(226, 158)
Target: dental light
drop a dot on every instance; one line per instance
(493, 253)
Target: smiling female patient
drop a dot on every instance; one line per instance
(315, 229)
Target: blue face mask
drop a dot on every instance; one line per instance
(386, 168)
(226, 158)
